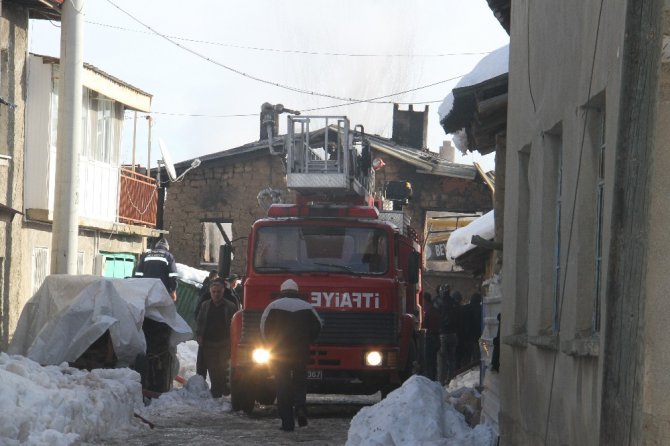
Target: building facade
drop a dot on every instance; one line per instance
(584, 263)
(224, 189)
(110, 238)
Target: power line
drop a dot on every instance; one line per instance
(374, 100)
(277, 50)
(249, 76)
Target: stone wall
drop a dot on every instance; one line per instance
(227, 189)
(224, 189)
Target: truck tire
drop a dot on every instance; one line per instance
(241, 397)
(266, 395)
(412, 363)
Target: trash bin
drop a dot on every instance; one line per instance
(188, 295)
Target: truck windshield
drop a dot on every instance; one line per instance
(334, 249)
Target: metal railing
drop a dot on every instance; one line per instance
(138, 198)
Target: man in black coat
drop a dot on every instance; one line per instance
(159, 263)
(290, 324)
(213, 336)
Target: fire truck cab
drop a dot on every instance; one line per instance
(359, 266)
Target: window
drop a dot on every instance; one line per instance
(589, 217)
(522, 243)
(80, 262)
(40, 267)
(439, 226)
(319, 248)
(212, 239)
(600, 204)
(101, 125)
(550, 251)
(558, 163)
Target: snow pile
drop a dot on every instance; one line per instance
(416, 413)
(187, 354)
(191, 275)
(60, 405)
(492, 65)
(195, 394)
(460, 240)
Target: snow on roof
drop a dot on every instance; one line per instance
(459, 240)
(492, 65)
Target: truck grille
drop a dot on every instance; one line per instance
(338, 328)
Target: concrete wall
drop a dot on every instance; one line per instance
(562, 81)
(13, 50)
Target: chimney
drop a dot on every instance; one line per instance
(410, 128)
(448, 151)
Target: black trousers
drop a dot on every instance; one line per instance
(432, 348)
(291, 379)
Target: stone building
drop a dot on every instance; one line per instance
(224, 190)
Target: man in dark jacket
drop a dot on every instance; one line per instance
(431, 321)
(449, 328)
(290, 324)
(213, 336)
(159, 263)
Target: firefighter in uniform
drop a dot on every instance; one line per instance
(290, 325)
(159, 263)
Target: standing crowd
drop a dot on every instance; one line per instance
(453, 329)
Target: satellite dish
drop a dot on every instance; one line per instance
(167, 161)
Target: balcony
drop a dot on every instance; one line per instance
(138, 198)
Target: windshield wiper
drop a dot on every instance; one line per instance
(273, 268)
(335, 265)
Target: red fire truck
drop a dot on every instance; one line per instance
(359, 266)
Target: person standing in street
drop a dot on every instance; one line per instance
(213, 336)
(232, 284)
(431, 320)
(203, 295)
(290, 324)
(159, 263)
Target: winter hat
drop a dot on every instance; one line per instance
(162, 244)
(289, 285)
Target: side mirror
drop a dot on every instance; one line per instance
(413, 264)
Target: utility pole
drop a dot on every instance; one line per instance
(64, 240)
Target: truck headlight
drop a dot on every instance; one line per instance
(373, 358)
(260, 356)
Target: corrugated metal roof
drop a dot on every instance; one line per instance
(4, 209)
(425, 162)
(40, 9)
(56, 60)
(502, 11)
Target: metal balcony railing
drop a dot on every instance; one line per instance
(138, 198)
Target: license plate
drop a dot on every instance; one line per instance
(314, 374)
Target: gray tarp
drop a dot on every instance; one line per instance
(69, 313)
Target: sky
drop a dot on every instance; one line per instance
(62, 406)
(217, 60)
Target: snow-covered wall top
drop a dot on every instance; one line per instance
(459, 240)
(492, 65)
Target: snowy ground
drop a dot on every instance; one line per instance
(59, 405)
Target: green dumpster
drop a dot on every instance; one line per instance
(188, 295)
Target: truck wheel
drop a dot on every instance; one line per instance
(266, 396)
(412, 361)
(241, 397)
